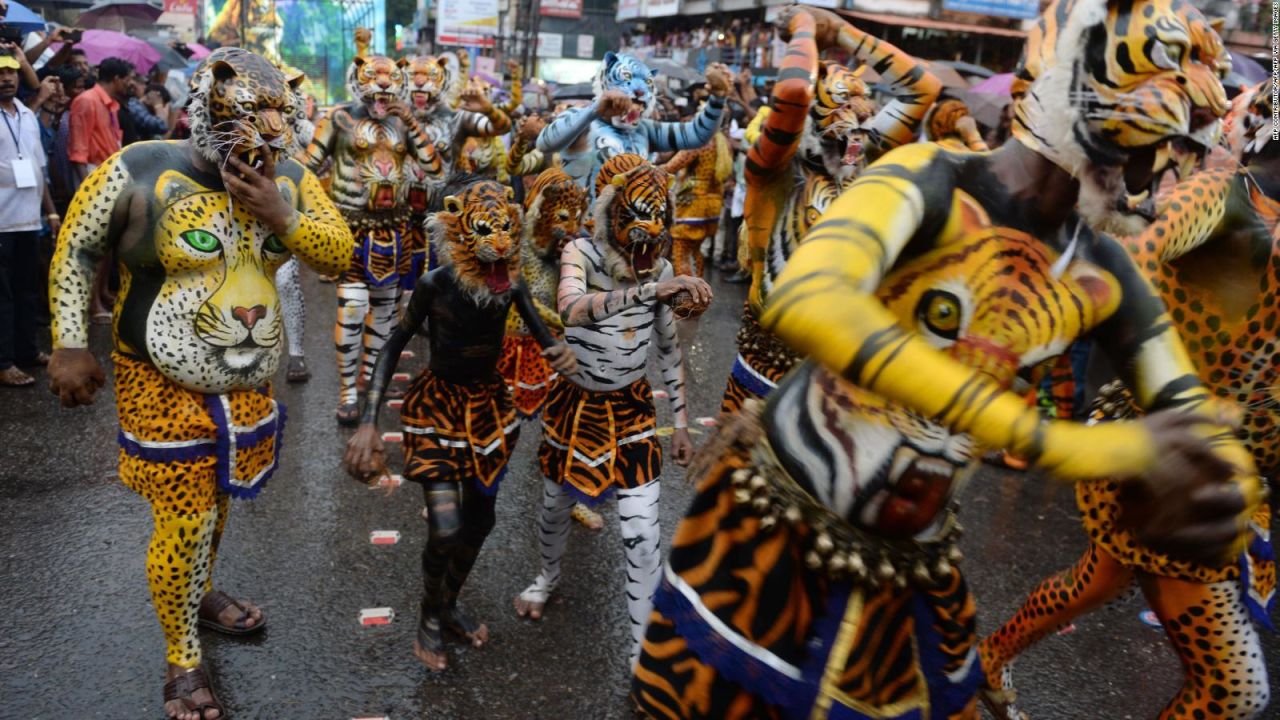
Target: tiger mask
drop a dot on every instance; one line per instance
(376, 82)
(241, 104)
(1119, 94)
(632, 216)
(835, 135)
(476, 234)
(427, 79)
(630, 77)
(1247, 129)
(554, 209)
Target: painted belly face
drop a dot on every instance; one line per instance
(214, 323)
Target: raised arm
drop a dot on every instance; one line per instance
(323, 141)
(318, 236)
(914, 89)
(579, 304)
(517, 88)
(479, 117)
(1205, 203)
(523, 158)
(824, 306)
(565, 129)
(680, 161)
(792, 94)
(670, 136)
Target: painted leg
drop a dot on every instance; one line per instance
(378, 325)
(553, 534)
(444, 525)
(293, 308)
(242, 615)
(638, 518)
(477, 521)
(353, 305)
(1094, 580)
(178, 561)
(1225, 675)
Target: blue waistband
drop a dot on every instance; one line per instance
(750, 379)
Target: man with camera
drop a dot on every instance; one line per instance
(22, 194)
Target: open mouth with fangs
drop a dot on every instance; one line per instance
(916, 489)
(1147, 168)
(496, 276)
(644, 258)
(254, 157)
(632, 117)
(420, 99)
(381, 103)
(384, 196)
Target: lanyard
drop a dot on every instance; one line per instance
(13, 134)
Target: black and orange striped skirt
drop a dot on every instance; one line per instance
(594, 441)
(743, 628)
(458, 432)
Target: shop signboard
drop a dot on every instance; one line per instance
(561, 8)
(661, 8)
(586, 46)
(550, 45)
(472, 23)
(629, 9)
(1022, 9)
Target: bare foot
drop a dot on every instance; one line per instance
(529, 608)
(433, 660)
(460, 624)
(198, 704)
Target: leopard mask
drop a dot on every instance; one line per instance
(242, 104)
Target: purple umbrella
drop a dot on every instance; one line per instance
(98, 45)
(995, 85)
(120, 15)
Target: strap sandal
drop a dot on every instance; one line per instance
(217, 601)
(184, 686)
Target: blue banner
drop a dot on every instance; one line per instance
(1024, 9)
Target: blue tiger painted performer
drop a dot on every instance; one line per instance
(617, 121)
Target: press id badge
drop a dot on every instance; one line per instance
(24, 172)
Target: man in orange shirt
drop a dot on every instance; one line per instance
(95, 123)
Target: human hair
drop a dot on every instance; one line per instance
(159, 89)
(112, 68)
(68, 76)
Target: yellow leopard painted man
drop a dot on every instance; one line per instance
(200, 227)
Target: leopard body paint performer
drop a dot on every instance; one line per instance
(449, 112)
(824, 128)
(197, 328)
(554, 210)
(700, 176)
(369, 141)
(599, 427)
(1214, 257)
(459, 423)
(815, 573)
(617, 121)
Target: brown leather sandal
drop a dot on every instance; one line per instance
(217, 601)
(182, 687)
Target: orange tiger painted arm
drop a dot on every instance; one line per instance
(792, 95)
(680, 160)
(824, 306)
(914, 89)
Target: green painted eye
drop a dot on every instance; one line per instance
(273, 245)
(202, 240)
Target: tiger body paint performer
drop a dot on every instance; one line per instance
(449, 113)
(1214, 257)
(554, 210)
(949, 123)
(599, 427)
(487, 156)
(618, 122)
(459, 423)
(823, 129)
(699, 200)
(369, 142)
(197, 328)
(815, 574)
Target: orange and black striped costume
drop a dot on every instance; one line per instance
(791, 177)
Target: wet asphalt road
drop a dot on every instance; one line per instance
(79, 639)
